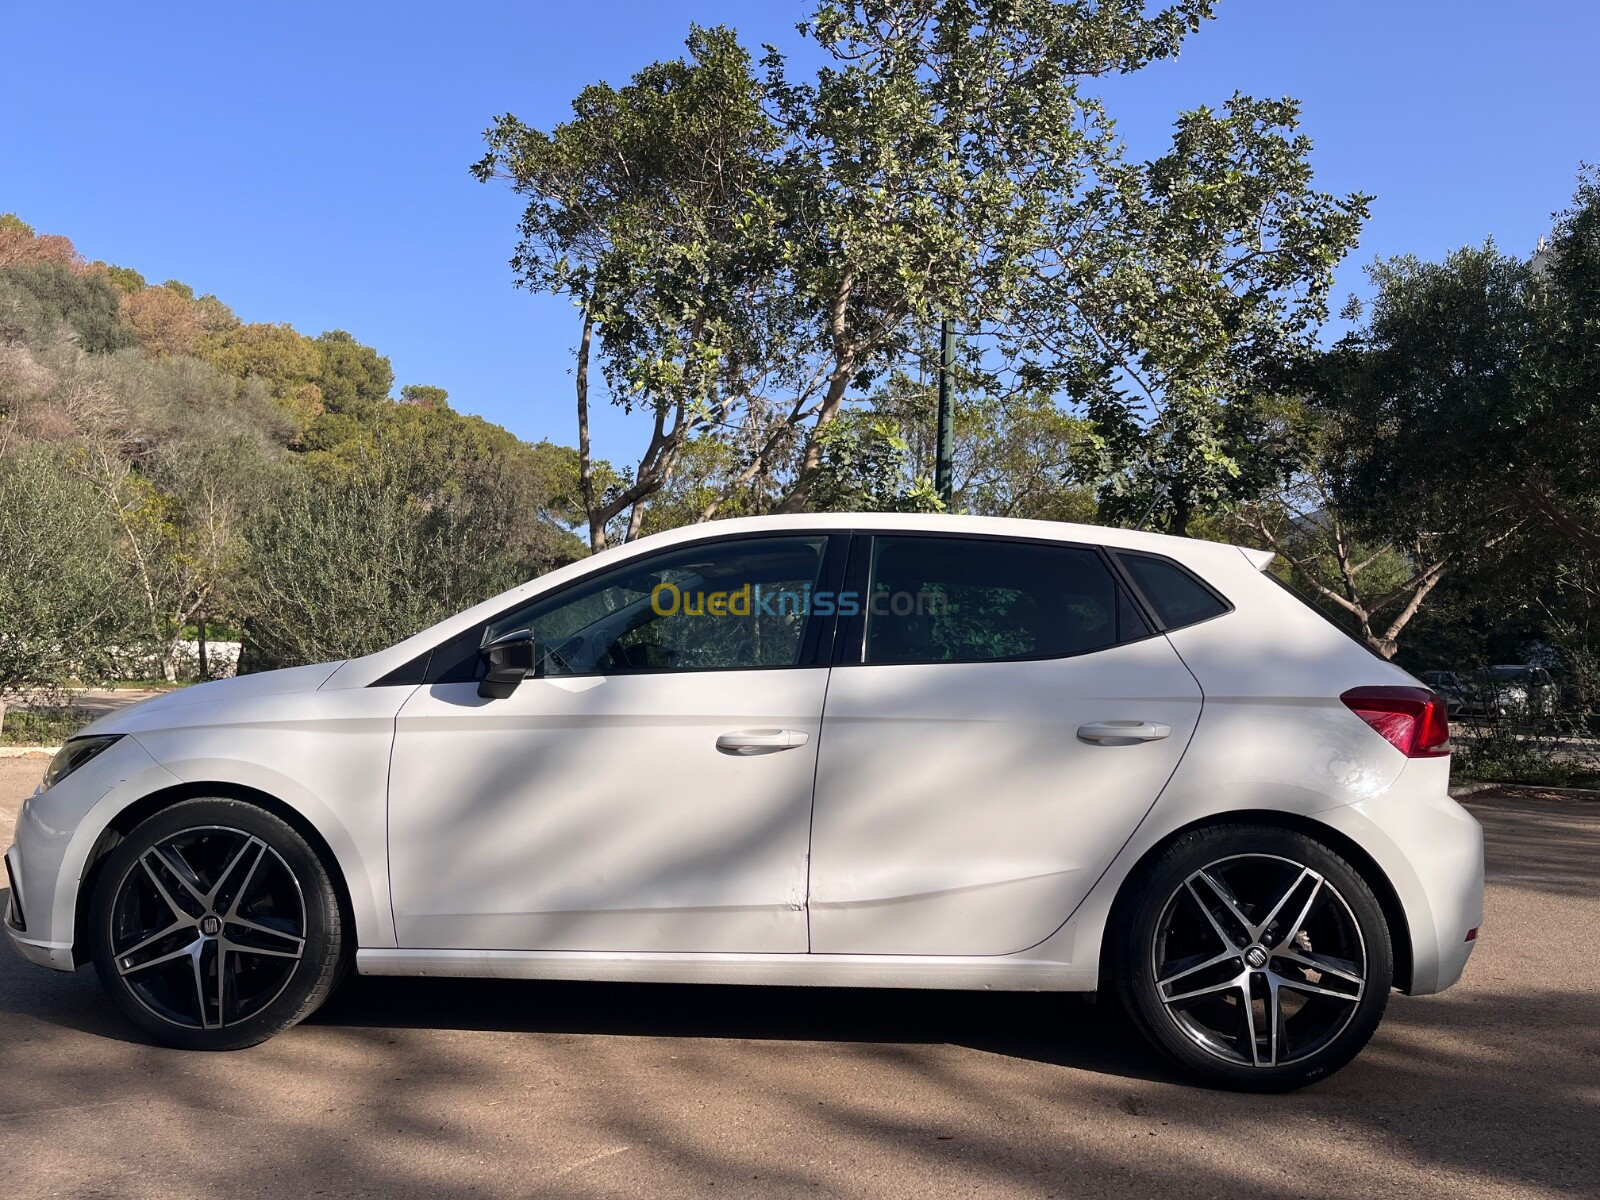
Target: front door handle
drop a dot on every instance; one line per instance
(761, 741)
(1121, 733)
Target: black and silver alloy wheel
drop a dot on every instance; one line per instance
(1256, 957)
(215, 925)
(1259, 959)
(207, 927)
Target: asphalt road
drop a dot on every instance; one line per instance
(456, 1089)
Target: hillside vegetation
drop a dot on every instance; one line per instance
(164, 464)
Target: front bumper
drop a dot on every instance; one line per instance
(36, 950)
(57, 832)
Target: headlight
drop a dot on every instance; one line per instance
(73, 755)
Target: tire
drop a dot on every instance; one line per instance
(214, 925)
(1241, 910)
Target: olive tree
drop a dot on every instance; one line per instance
(63, 585)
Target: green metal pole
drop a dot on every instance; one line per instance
(944, 462)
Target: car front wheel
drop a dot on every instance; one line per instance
(1255, 957)
(214, 925)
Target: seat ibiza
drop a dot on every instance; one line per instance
(858, 750)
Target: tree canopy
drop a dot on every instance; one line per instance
(750, 252)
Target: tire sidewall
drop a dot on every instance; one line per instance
(1136, 972)
(319, 963)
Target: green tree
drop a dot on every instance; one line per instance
(424, 396)
(351, 561)
(938, 164)
(866, 466)
(1208, 295)
(1471, 388)
(645, 210)
(125, 278)
(1013, 454)
(287, 362)
(1427, 442)
(46, 294)
(62, 583)
(947, 160)
(1418, 393)
(1557, 467)
(1369, 567)
(178, 461)
(276, 354)
(353, 378)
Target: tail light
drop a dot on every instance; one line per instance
(1411, 719)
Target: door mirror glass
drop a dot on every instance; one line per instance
(507, 661)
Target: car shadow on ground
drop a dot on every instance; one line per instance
(1054, 1028)
(1061, 1029)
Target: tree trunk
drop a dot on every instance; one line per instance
(1178, 522)
(846, 353)
(200, 632)
(597, 524)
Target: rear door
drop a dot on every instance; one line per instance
(1002, 716)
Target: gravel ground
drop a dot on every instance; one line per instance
(455, 1088)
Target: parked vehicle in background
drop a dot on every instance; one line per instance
(865, 750)
(1513, 691)
(1454, 687)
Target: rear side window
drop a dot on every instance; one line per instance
(936, 600)
(1177, 597)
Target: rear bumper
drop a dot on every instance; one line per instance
(1431, 849)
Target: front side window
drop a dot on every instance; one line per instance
(935, 599)
(717, 607)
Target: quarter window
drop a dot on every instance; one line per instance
(935, 599)
(1177, 597)
(717, 607)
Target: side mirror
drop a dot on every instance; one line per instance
(507, 661)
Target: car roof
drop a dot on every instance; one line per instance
(1104, 535)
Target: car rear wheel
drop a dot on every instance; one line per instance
(214, 925)
(1255, 957)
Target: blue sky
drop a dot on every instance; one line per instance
(308, 163)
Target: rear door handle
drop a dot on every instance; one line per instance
(761, 741)
(1114, 732)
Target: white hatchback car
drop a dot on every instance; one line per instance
(863, 750)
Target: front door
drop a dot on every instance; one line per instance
(649, 791)
(1003, 719)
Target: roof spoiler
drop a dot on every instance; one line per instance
(1257, 558)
